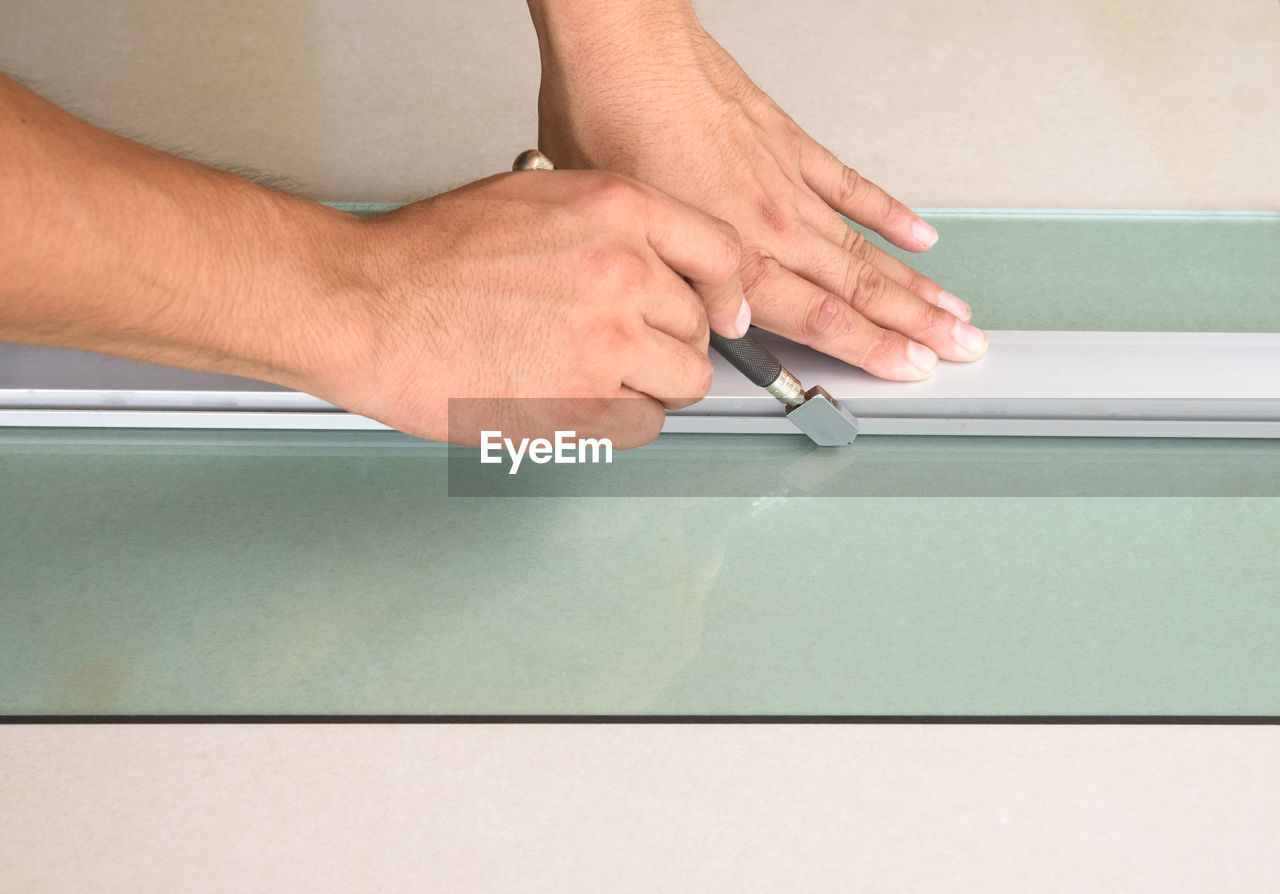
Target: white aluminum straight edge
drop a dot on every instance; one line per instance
(1042, 383)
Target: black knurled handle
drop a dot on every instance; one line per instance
(751, 358)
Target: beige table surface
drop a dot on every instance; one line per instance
(998, 103)
(1081, 103)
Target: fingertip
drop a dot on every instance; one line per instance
(735, 327)
(972, 339)
(924, 235)
(922, 358)
(954, 306)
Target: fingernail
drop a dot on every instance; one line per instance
(971, 338)
(954, 305)
(743, 322)
(921, 357)
(924, 234)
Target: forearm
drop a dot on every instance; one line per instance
(617, 12)
(111, 246)
(597, 31)
(598, 56)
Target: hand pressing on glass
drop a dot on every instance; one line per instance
(641, 89)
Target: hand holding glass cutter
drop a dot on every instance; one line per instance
(814, 412)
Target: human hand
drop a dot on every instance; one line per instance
(585, 287)
(648, 93)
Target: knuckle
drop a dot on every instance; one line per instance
(695, 382)
(730, 253)
(609, 195)
(850, 184)
(758, 269)
(821, 321)
(890, 208)
(920, 284)
(636, 420)
(655, 417)
(700, 377)
(608, 334)
(696, 331)
(854, 242)
(614, 268)
(868, 287)
(700, 338)
(849, 280)
(876, 352)
(580, 413)
(935, 318)
(582, 387)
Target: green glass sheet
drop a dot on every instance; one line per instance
(1155, 271)
(276, 573)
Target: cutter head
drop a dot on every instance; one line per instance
(823, 419)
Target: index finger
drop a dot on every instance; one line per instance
(705, 251)
(857, 198)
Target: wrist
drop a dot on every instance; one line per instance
(601, 34)
(255, 283)
(314, 325)
(237, 279)
(598, 60)
(560, 16)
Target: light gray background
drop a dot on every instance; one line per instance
(998, 103)
(985, 103)
(589, 808)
